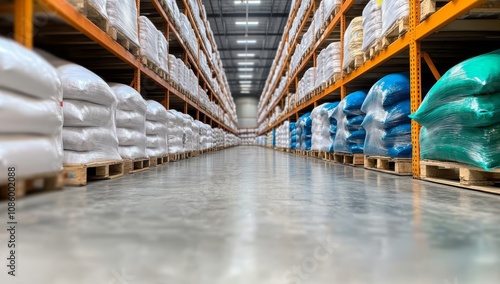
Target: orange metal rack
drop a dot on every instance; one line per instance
(24, 15)
(407, 50)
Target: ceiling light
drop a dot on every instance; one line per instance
(246, 76)
(247, 41)
(246, 63)
(245, 82)
(251, 2)
(245, 69)
(245, 92)
(245, 23)
(246, 54)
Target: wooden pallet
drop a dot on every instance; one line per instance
(91, 12)
(356, 62)
(374, 49)
(80, 174)
(349, 159)
(150, 64)
(398, 29)
(136, 165)
(121, 39)
(400, 167)
(34, 184)
(174, 157)
(460, 175)
(158, 161)
(427, 8)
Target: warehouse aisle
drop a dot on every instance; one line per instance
(252, 215)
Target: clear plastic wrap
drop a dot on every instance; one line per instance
(99, 5)
(149, 40)
(322, 139)
(353, 41)
(87, 138)
(19, 65)
(30, 115)
(330, 7)
(349, 137)
(85, 114)
(156, 129)
(129, 137)
(458, 114)
(128, 98)
(156, 112)
(387, 126)
(162, 51)
(32, 155)
(392, 11)
(372, 24)
(81, 84)
(122, 15)
(130, 120)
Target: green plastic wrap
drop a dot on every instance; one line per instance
(475, 146)
(460, 115)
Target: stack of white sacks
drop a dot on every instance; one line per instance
(283, 135)
(156, 129)
(89, 132)
(100, 5)
(202, 135)
(328, 63)
(353, 41)
(149, 40)
(31, 118)
(162, 51)
(187, 128)
(175, 132)
(130, 122)
(122, 16)
(321, 138)
(392, 11)
(372, 24)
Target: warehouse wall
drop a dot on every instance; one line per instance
(246, 108)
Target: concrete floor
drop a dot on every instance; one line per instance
(256, 216)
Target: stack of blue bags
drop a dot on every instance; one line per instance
(350, 135)
(387, 125)
(304, 131)
(293, 136)
(333, 123)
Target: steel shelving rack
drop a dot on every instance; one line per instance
(69, 32)
(443, 36)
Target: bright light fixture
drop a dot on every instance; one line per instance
(245, 69)
(245, 82)
(245, 23)
(251, 2)
(245, 92)
(246, 63)
(246, 54)
(246, 76)
(248, 41)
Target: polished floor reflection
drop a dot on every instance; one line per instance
(257, 216)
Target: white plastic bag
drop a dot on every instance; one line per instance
(26, 72)
(149, 40)
(85, 114)
(20, 114)
(88, 138)
(122, 15)
(31, 155)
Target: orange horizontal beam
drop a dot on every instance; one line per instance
(447, 14)
(64, 10)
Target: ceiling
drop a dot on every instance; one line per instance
(262, 41)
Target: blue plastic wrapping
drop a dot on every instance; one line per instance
(388, 132)
(349, 138)
(353, 103)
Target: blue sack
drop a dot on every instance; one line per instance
(353, 103)
(397, 114)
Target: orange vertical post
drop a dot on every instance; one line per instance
(415, 83)
(23, 22)
(342, 33)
